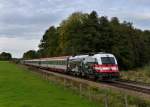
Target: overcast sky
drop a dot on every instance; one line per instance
(23, 22)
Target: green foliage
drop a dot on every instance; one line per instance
(83, 33)
(49, 43)
(31, 54)
(5, 56)
(70, 32)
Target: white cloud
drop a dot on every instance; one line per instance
(17, 46)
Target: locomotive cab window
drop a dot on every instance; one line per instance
(108, 60)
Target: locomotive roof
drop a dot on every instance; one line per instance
(51, 58)
(100, 54)
(94, 55)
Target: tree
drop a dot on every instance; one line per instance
(5, 56)
(90, 33)
(49, 43)
(31, 54)
(70, 34)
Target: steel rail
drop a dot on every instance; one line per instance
(131, 86)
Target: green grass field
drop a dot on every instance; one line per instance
(21, 88)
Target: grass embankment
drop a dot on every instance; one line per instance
(21, 88)
(140, 75)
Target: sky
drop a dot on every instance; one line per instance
(23, 22)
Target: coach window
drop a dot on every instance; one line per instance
(55, 62)
(64, 63)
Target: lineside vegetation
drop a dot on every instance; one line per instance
(140, 74)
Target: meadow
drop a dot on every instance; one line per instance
(21, 88)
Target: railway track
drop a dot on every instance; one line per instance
(135, 82)
(131, 86)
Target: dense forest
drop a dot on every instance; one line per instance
(5, 56)
(83, 33)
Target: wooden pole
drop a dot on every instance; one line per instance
(125, 100)
(64, 83)
(89, 93)
(106, 100)
(80, 88)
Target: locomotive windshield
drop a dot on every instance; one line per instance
(108, 60)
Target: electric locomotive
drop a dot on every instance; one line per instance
(97, 66)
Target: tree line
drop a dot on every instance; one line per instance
(83, 33)
(5, 56)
